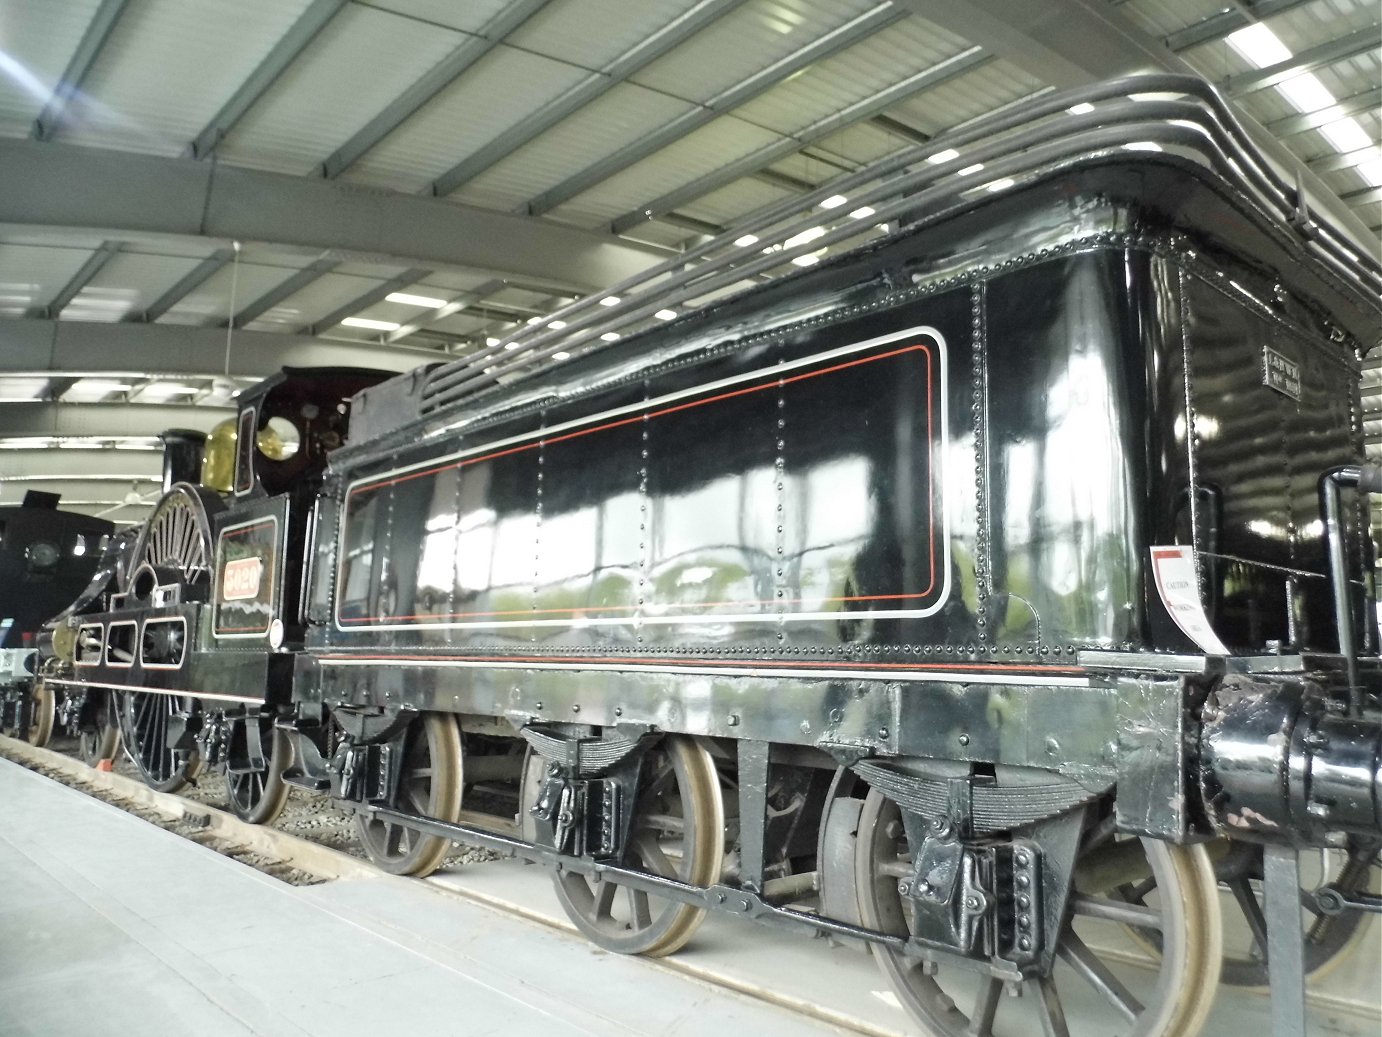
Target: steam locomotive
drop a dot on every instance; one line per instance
(961, 595)
(46, 557)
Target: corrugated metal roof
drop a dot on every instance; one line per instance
(168, 67)
(37, 39)
(493, 95)
(366, 55)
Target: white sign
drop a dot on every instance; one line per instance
(1179, 587)
(240, 579)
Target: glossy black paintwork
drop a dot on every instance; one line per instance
(30, 595)
(1072, 444)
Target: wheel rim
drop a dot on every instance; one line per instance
(1328, 939)
(677, 832)
(102, 741)
(258, 796)
(145, 719)
(1090, 990)
(429, 784)
(41, 718)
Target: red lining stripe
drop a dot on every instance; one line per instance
(841, 664)
(636, 418)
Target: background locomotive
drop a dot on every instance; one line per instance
(884, 600)
(47, 556)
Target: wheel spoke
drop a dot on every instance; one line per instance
(1252, 911)
(1089, 967)
(641, 908)
(1052, 1012)
(985, 1008)
(1115, 911)
(652, 857)
(605, 892)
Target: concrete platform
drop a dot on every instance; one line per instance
(111, 925)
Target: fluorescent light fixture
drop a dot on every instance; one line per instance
(371, 325)
(745, 240)
(834, 201)
(610, 336)
(810, 259)
(1259, 46)
(969, 170)
(561, 354)
(666, 314)
(165, 390)
(511, 345)
(556, 325)
(409, 299)
(536, 320)
(492, 341)
(942, 156)
(1142, 145)
(1083, 108)
(1000, 185)
(610, 300)
(862, 213)
(810, 234)
(93, 390)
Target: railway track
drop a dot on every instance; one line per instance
(505, 886)
(729, 956)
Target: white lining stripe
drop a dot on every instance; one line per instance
(747, 671)
(180, 693)
(937, 460)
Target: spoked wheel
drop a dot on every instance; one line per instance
(678, 831)
(42, 706)
(1088, 992)
(1328, 939)
(429, 784)
(258, 796)
(102, 741)
(145, 720)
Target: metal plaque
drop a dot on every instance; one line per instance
(1281, 373)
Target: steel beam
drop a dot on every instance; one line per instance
(1366, 101)
(186, 284)
(284, 53)
(1343, 159)
(856, 29)
(94, 265)
(456, 305)
(294, 284)
(1367, 196)
(1330, 53)
(128, 196)
(57, 348)
(365, 301)
(97, 464)
(1238, 15)
(104, 419)
(433, 82)
(98, 30)
(759, 160)
(593, 86)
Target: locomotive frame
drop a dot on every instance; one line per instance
(954, 779)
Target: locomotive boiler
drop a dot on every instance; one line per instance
(988, 594)
(47, 555)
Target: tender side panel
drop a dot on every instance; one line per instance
(789, 500)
